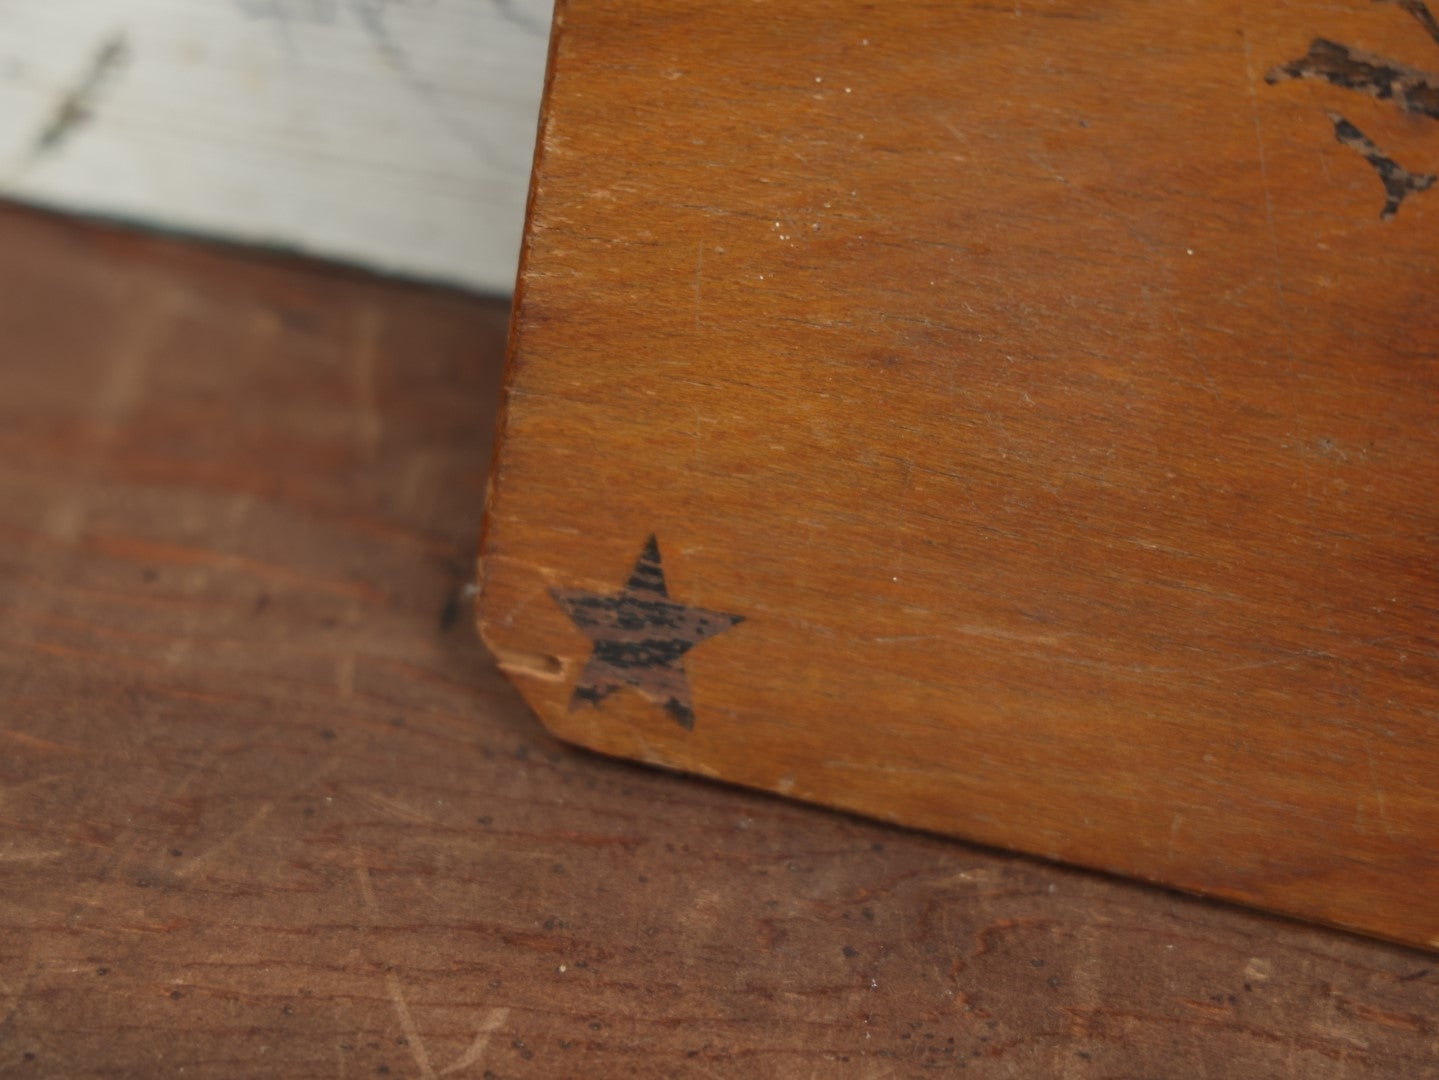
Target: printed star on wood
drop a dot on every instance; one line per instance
(640, 638)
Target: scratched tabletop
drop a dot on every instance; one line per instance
(267, 809)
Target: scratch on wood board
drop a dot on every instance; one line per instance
(475, 1053)
(407, 1025)
(253, 822)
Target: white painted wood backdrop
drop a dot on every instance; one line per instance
(392, 133)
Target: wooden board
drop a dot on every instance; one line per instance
(1017, 421)
(395, 135)
(266, 810)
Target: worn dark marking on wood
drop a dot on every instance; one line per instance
(1421, 12)
(1399, 182)
(1412, 89)
(640, 638)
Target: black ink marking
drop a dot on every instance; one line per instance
(1410, 88)
(1399, 182)
(78, 104)
(640, 638)
(1421, 12)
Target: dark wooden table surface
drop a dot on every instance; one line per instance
(266, 808)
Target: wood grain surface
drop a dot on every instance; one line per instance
(266, 808)
(1050, 389)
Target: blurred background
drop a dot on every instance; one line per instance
(393, 134)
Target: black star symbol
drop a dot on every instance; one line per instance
(640, 638)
